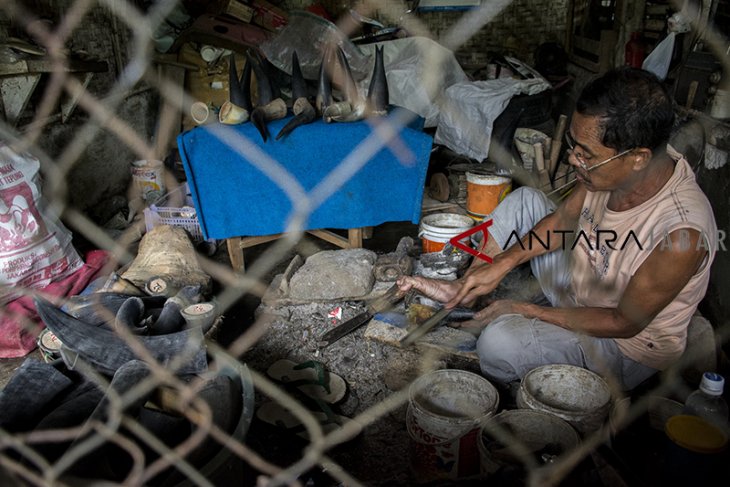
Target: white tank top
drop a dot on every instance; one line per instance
(600, 274)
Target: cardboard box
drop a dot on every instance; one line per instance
(233, 8)
(268, 16)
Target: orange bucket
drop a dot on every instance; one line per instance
(485, 191)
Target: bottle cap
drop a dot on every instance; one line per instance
(712, 383)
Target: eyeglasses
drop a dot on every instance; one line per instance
(582, 162)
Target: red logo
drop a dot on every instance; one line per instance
(481, 227)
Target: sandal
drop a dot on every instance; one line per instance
(310, 378)
(277, 415)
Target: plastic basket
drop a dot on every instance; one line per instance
(185, 217)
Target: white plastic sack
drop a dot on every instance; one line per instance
(659, 59)
(35, 248)
(468, 112)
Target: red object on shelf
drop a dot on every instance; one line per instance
(635, 50)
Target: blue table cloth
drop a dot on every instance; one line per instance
(242, 186)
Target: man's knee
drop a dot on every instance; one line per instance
(502, 348)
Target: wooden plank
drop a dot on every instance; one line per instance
(247, 242)
(235, 253)
(37, 66)
(354, 236)
(331, 237)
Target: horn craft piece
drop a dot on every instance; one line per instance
(358, 106)
(324, 88)
(106, 351)
(238, 107)
(378, 99)
(270, 105)
(304, 112)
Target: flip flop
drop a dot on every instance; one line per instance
(277, 415)
(310, 378)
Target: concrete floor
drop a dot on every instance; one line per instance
(640, 453)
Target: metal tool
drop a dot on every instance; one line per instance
(459, 314)
(378, 305)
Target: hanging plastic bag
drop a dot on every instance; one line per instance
(659, 59)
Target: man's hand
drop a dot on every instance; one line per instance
(478, 281)
(441, 291)
(495, 309)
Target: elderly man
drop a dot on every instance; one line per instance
(626, 256)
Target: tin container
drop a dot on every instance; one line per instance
(148, 178)
(50, 345)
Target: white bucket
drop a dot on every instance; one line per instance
(445, 411)
(577, 395)
(437, 229)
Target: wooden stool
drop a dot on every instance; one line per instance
(237, 244)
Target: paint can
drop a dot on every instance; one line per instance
(485, 191)
(437, 229)
(49, 345)
(445, 411)
(148, 179)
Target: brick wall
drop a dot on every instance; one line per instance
(518, 30)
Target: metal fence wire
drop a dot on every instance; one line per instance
(201, 426)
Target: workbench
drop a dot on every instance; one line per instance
(324, 176)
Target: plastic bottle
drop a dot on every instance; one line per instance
(707, 401)
(635, 50)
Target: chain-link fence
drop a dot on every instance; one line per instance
(153, 424)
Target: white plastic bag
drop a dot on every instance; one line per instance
(35, 247)
(659, 59)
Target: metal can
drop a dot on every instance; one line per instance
(50, 345)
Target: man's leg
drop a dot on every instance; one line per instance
(512, 345)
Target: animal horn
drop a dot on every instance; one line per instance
(303, 114)
(265, 95)
(298, 85)
(106, 351)
(378, 98)
(324, 88)
(349, 87)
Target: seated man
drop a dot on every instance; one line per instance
(624, 260)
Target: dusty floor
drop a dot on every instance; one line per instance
(381, 454)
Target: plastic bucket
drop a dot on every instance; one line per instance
(694, 451)
(437, 229)
(518, 436)
(485, 191)
(446, 409)
(579, 396)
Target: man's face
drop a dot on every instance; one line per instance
(597, 167)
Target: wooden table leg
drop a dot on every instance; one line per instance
(235, 253)
(354, 235)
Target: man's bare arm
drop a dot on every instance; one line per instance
(655, 284)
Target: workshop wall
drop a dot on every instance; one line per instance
(518, 30)
(102, 168)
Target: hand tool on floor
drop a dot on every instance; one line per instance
(378, 305)
(458, 314)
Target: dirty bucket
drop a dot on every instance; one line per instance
(523, 436)
(445, 411)
(437, 229)
(148, 179)
(694, 451)
(579, 396)
(485, 191)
